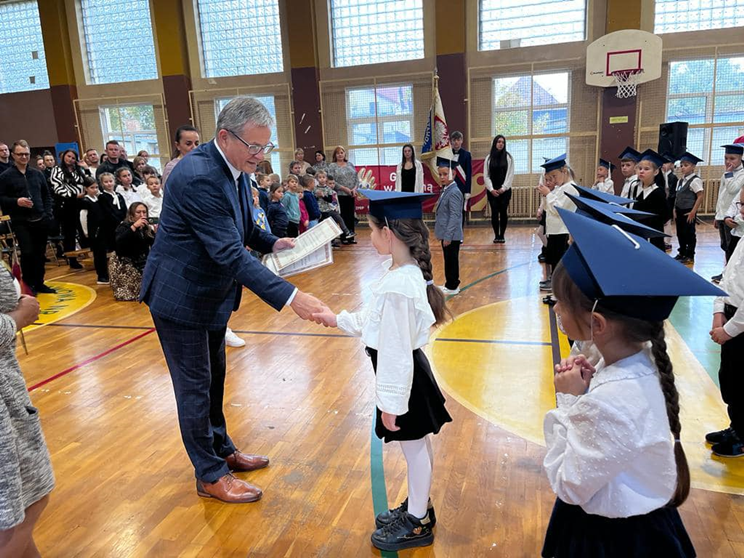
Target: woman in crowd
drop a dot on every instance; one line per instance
(139, 166)
(68, 179)
(134, 238)
(409, 174)
(347, 184)
(498, 176)
(264, 167)
(320, 161)
(187, 139)
(26, 476)
(299, 155)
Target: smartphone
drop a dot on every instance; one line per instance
(153, 220)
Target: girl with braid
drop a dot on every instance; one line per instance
(394, 325)
(614, 456)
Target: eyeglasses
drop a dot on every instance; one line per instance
(255, 148)
(22, 154)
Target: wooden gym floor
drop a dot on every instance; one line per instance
(304, 396)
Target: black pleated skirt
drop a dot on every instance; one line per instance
(576, 534)
(426, 412)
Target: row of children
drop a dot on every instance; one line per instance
(614, 456)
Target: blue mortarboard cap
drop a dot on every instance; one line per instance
(653, 156)
(734, 149)
(554, 163)
(443, 162)
(630, 154)
(616, 215)
(395, 205)
(626, 274)
(669, 158)
(603, 197)
(606, 164)
(689, 157)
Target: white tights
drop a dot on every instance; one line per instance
(420, 460)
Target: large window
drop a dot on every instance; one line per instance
(244, 39)
(526, 108)
(119, 45)
(24, 64)
(380, 122)
(133, 126)
(530, 22)
(714, 108)
(374, 31)
(673, 16)
(270, 103)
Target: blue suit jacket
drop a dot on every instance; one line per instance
(465, 161)
(198, 264)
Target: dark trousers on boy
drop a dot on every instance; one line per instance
(685, 234)
(451, 264)
(731, 378)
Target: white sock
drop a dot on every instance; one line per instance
(419, 460)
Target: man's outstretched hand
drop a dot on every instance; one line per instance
(306, 305)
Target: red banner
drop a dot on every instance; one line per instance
(383, 178)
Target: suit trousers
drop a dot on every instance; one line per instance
(685, 234)
(724, 234)
(730, 377)
(196, 361)
(452, 264)
(32, 240)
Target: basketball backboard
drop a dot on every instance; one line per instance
(628, 51)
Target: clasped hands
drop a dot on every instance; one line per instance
(573, 375)
(717, 333)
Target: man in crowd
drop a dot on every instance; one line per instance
(114, 161)
(91, 160)
(25, 196)
(5, 163)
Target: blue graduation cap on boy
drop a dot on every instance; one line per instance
(444, 162)
(616, 215)
(602, 196)
(669, 158)
(630, 154)
(395, 205)
(734, 149)
(606, 164)
(690, 158)
(624, 273)
(653, 156)
(554, 163)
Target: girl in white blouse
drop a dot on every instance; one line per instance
(394, 325)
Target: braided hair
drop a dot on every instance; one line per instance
(635, 330)
(414, 234)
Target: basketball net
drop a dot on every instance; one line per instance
(626, 82)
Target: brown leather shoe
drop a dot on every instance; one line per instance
(229, 489)
(244, 462)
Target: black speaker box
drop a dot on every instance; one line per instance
(673, 138)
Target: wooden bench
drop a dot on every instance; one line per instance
(82, 254)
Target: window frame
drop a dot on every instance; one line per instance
(531, 136)
(122, 136)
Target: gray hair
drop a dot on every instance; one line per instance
(241, 111)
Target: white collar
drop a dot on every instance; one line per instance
(630, 368)
(646, 191)
(235, 172)
(91, 198)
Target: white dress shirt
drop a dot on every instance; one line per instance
(630, 187)
(607, 186)
(154, 205)
(610, 450)
(734, 213)
(733, 284)
(130, 196)
(395, 320)
(555, 199)
(728, 190)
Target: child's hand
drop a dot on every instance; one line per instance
(572, 381)
(719, 335)
(326, 317)
(566, 364)
(388, 421)
(719, 319)
(730, 223)
(691, 217)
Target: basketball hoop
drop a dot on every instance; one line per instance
(626, 82)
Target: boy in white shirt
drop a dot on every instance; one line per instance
(731, 184)
(154, 198)
(628, 161)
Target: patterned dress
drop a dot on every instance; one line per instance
(25, 469)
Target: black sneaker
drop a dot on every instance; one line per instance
(541, 258)
(74, 264)
(720, 436)
(387, 517)
(717, 278)
(43, 289)
(680, 257)
(405, 531)
(733, 447)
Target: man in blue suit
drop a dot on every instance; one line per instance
(193, 281)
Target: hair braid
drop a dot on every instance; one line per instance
(671, 396)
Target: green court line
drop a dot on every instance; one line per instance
(692, 318)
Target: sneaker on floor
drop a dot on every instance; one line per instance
(447, 291)
(720, 436)
(74, 264)
(387, 517)
(687, 260)
(680, 257)
(541, 258)
(549, 300)
(44, 289)
(502, 240)
(717, 278)
(404, 532)
(103, 281)
(546, 286)
(232, 340)
(733, 447)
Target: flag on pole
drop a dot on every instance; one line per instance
(436, 135)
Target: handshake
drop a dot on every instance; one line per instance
(307, 307)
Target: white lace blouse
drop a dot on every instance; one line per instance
(395, 320)
(610, 450)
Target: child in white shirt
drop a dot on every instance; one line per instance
(154, 199)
